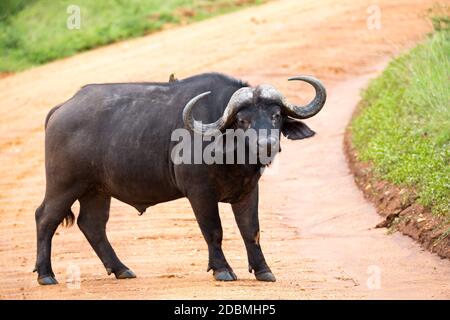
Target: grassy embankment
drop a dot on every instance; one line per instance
(403, 128)
(34, 32)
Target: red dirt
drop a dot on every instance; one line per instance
(316, 226)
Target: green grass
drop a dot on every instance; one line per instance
(403, 127)
(34, 32)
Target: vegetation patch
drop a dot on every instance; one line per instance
(398, 142)
(35, 32)
(403, 125)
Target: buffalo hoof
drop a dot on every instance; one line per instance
(225, 275)
(266, 276)
(48, 280)
(127, 274)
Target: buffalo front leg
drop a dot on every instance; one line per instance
(207, 214)
(246, 215)
(94, 214)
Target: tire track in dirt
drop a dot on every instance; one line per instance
(314, 220)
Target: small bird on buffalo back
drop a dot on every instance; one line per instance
(173, 78)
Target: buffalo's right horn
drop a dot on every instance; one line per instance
(237, 100)
(312, 108)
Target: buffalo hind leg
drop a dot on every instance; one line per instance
(49, 215)
(246, 215)
(94, 214)
(207, 214)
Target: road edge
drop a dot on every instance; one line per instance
(397, 205)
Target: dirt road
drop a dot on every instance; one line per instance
(318, 233)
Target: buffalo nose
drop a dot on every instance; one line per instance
(267, 142)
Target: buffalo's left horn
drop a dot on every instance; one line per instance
(238, 99)
(312, 108)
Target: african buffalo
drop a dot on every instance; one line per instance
(114, 140)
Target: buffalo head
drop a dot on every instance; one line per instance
(262, 108)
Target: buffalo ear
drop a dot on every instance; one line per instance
(296, 130)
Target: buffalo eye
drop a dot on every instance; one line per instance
(276, 116)
(242, 122)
